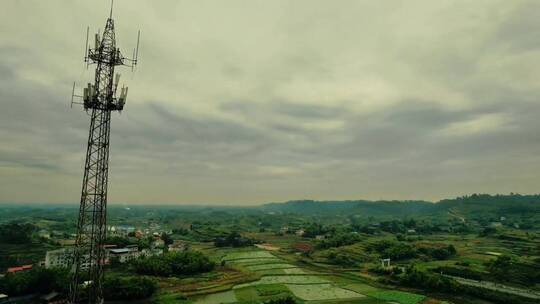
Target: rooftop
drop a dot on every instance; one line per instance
(119, 250)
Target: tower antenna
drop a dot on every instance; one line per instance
(112, 4)
(99, 99)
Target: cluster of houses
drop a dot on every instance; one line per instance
(64, 256)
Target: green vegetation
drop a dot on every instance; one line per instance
(271, 290)
(248, 255)
(233, 239)
(398, 296)
(338, 240)
(37, 280)
(41, 280)
(267, 280)
(319, 292)
(494, 241)
(507, 269)
(393, 250)
(173, 263)
(286, 300)
(120, 287)
(270, 266)
(15, 233)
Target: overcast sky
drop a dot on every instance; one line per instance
(246, 102)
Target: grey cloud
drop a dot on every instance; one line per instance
(267, 101)
(517, 32)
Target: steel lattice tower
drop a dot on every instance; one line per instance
(99, 99)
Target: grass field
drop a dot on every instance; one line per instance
(294, 271)
(260, 293)
(361, 288)
(256, 261)
(216, 298)
(270, 266)
(248, 255)
(319, 292)
(280, 276)
(285, 279)
(397, 296)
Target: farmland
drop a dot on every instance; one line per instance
(455, 254)
(301, 283)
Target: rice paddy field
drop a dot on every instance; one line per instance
(397, 296)
(317, 292)
(279, 277)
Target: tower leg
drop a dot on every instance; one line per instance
(89, 254)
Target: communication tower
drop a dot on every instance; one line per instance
(99, 99)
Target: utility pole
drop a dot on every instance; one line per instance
(99, 100)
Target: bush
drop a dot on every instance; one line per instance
(286, 300)
(439, 253)
(118, 287)
(234, 239)
(35, 280)
(341, 258)
(430, 281)
(462, 272)
(393, 250)
(507, 269)
(119, 241)
(173, 263)
(15, 233)
(338, 240)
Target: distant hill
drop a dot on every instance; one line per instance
(497, 205)
(343, 207)
(493, 204)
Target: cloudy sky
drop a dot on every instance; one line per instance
(246, 102)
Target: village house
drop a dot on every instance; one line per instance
(44, 234)
(60, 258)
(304, 248)
(178, 245)
(158, 243)
(139, 234)
(19, 268)
(495, 224)
(123, 255)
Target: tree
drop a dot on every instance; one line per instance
(439, 253)
(173, 263)
(15, 233)
(419, 278)
(35, 280)
(393, 250)
(488, 231)
(410, 223)
(144, 243)
(338, 240)
(341, 258)
(166, 238)
(233, 239)
(119, 241)
(119, 287)
(286, 300)
(501, 266)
